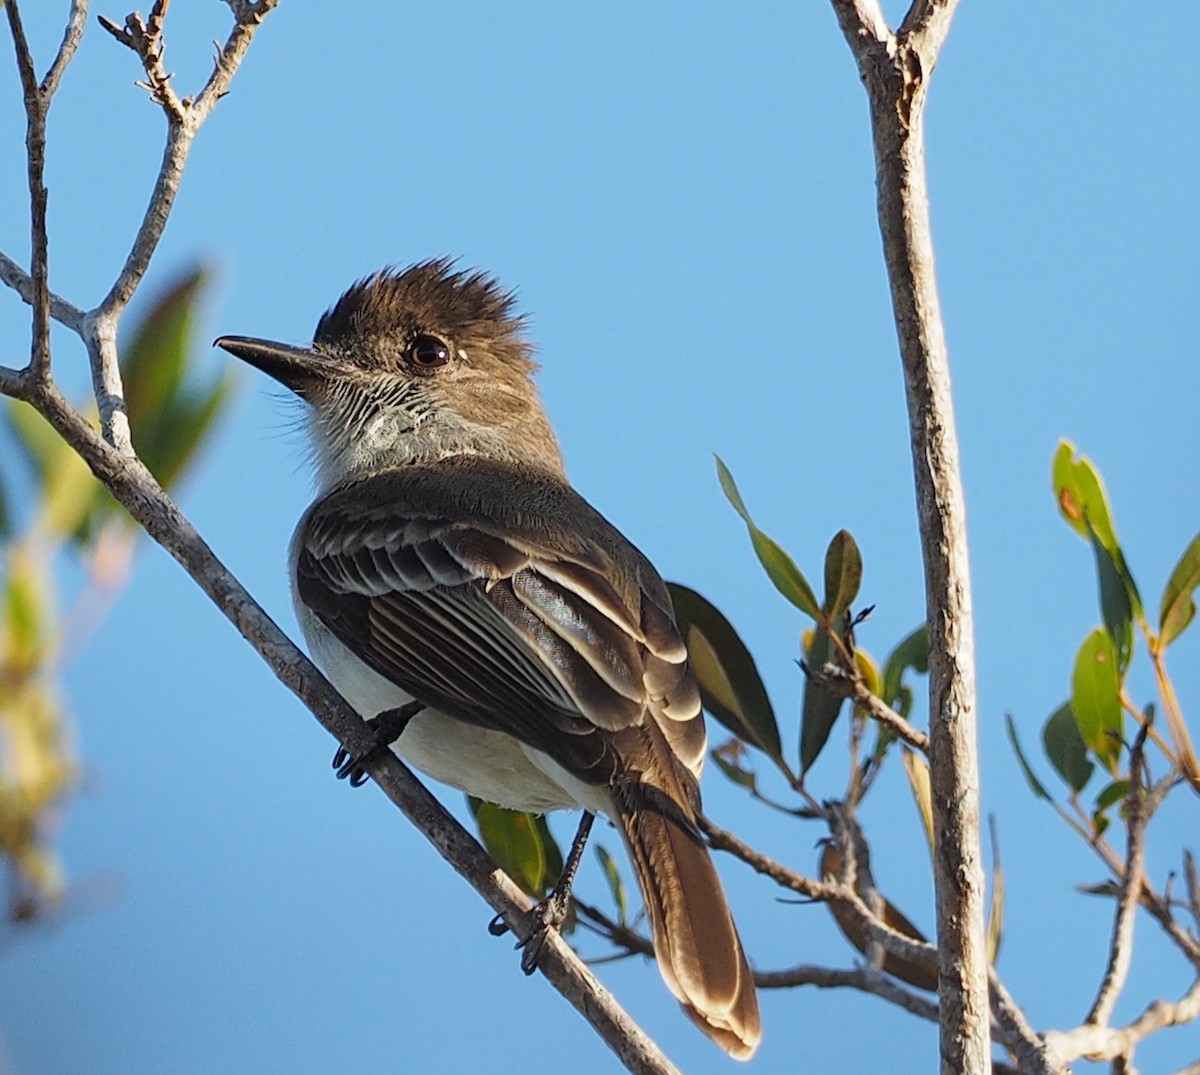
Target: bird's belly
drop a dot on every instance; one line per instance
(487, 764)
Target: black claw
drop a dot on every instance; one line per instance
(549, 915)
(386, 728)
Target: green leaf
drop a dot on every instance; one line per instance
(1080, 495)
(730, 686)
(27, 612)
(871, 679)
(820, 709)
(154, 361)
(616, 886)
(168, 414)
(1115, 601)
(734, 772)
(1178, 607)
(69, 493)
(1065, 748)
(1095, 697)
(1034, 783)
(550, 851)
(789, 580)
(912, 652)
(189, 418)
(843, 575)
(1110, 794)
(1083, 503)
(512, 839)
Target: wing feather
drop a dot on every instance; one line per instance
(500, 597)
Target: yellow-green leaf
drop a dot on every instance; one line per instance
(1083, 503)
(912, 652)
(512, 839)
(730, 686)
(995, 924)
(1096, 699)
(917, 770)
(781, 569)
(843, 575)
(1178, 606)
(69, 493)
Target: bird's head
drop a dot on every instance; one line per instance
(414, 365)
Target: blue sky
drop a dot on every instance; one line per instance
(684, 199)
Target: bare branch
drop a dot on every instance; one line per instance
(864, 979)
(1120, 954)
(140, 494)
(895, 71)
(22, 283)
(184, 120)
(66, 51)
(839, 681)
(228, 60)
(1014, 1030)
(12, 382)
(927, 23)
(864, 20)
(35, 153)
(144, 38)
(1109, 1043)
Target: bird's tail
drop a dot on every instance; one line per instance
(695, 941)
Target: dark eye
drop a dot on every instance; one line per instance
(429, 352)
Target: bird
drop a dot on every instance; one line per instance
(463, 596)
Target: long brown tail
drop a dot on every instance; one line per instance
(695, 940)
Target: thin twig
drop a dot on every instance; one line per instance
(66, 50)
(864, 979)
(144, 38)
(845, 684)
(35, 157)
(184, 119)
(140, 494)
(22, 283)
(1120, 952)
(617, 932)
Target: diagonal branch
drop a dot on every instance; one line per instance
(133, 485)
(845, 684)
(22, 283)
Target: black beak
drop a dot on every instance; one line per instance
(296, 368)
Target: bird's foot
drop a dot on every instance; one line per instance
(386, 728)
(548, 916)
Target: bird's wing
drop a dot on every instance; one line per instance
(500, 597)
